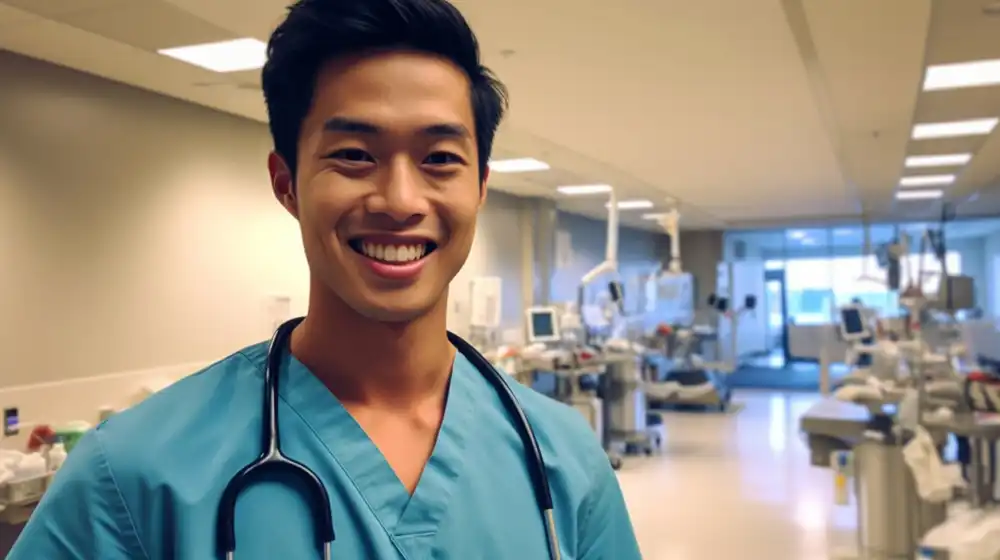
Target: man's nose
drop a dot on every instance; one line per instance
(401, 192)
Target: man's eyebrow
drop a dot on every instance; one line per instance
(448, 130)
(347, 125)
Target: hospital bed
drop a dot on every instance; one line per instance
(690, 379)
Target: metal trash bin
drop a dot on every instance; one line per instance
(892, 518)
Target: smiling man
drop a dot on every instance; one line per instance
(383, 121)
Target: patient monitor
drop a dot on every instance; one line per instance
(854, 326)
(542, 325)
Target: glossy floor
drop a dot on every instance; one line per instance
(737, 485)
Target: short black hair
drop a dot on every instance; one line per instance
(317, 31)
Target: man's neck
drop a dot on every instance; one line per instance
(370, 363)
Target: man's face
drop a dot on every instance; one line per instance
(388, 188)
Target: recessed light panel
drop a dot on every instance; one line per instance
(517, 165)
(926, 194)
(962, 75)
(225, 56)
(632, 204)
(971, 127)
(942, 160)
(654, 216)
(577, 190)
(926, 180)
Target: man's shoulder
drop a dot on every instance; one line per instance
(172, 421)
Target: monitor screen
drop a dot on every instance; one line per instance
(543, 324)
(853, 322)
(617, 291)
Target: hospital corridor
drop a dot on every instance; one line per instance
(500, 279)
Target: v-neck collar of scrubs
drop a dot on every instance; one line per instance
(399, 512)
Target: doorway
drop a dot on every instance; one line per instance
(775, 298)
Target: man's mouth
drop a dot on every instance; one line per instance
(393, 252)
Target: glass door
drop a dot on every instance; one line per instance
(775, 295)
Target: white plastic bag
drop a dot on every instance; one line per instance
(952, 532)
(935, 481)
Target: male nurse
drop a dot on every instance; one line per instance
(383, 119)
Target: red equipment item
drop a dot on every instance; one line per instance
(39, 437)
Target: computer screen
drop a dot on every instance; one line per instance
(852, 323)
(617, 291)
(542, 326)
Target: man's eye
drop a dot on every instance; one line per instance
(352, 155)
(442, 158)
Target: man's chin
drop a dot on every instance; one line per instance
(386, 311)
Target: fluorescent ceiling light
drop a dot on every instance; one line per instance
(632, 204)
(971, 127)
(926, 180)
(938, 160)
(518, 165)
(225, 56)
(584, 189)
(919, 195)
(797, 234)
(654, 216)
(962, 75)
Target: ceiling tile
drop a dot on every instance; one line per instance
(961, 145)
(248, 80)
(254, 18)
(962, 32)
(150, 25)
(10, 16)
(967, 103)
(55, 9)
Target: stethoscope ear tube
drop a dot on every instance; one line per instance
(272, 458)
(536, 463)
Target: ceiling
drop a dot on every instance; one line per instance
(746, 113)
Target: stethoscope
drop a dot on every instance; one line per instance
(272, 458)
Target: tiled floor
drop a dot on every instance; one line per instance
(736, 486)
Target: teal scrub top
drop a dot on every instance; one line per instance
(146, 483)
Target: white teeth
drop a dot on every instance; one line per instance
(394, 253)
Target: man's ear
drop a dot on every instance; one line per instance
(282, 183)
(482, 187)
